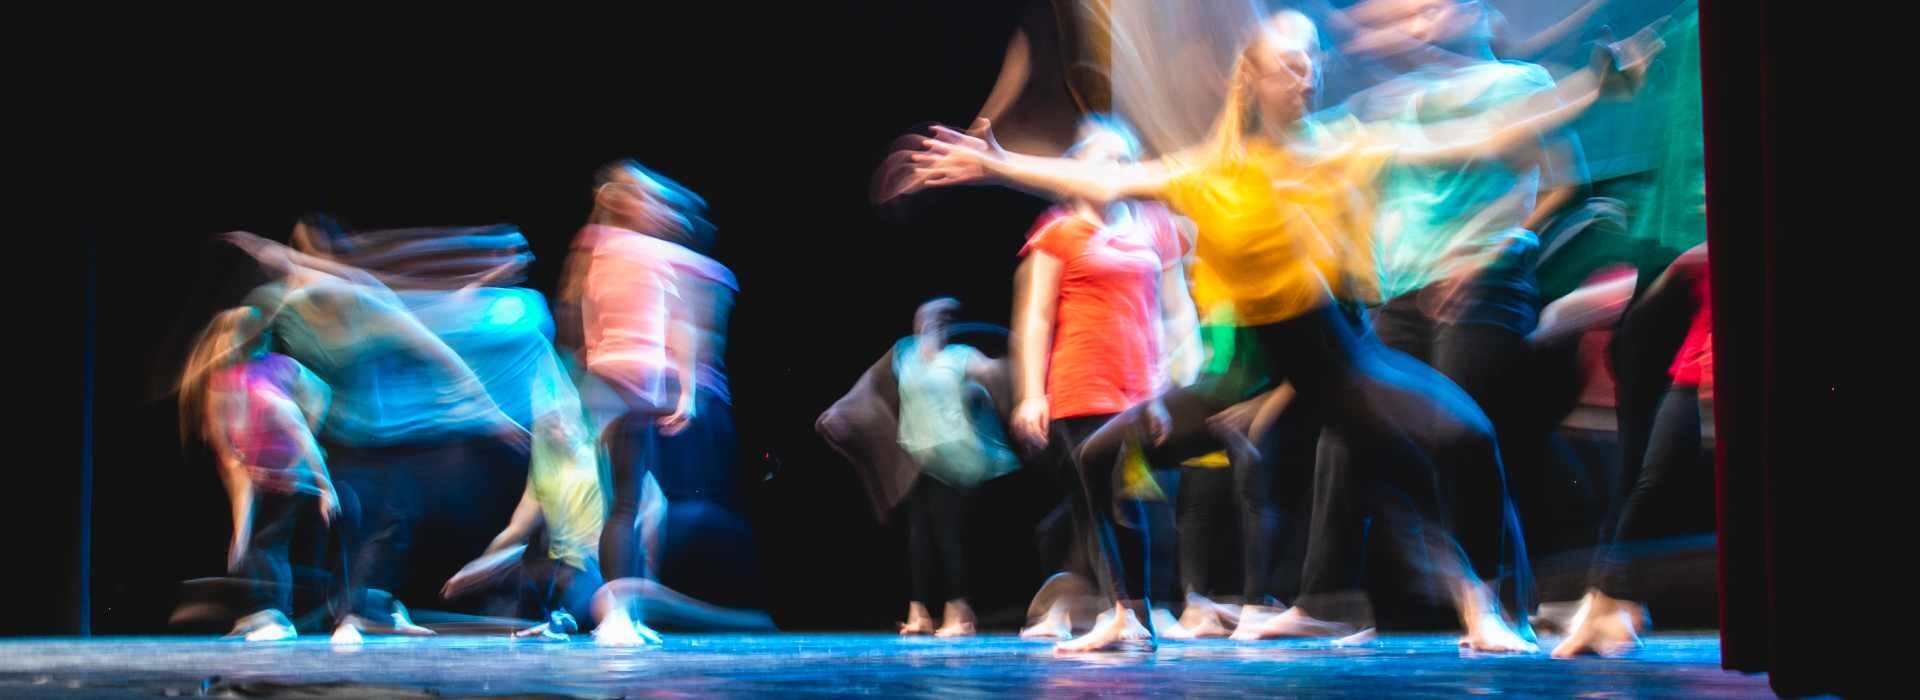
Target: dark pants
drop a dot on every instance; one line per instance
(1273, 505)
(548, 585)
(383, 482)
(1205, 503)
(699, 463)
(1397, 435)
(631, 443)
(1480, 345)
(1118, 556)
(1661, 502)
(279, 519)
(936, 516)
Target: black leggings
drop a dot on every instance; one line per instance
(630, 443)
(278, 519)
(1397, 435)
(1659, 503)
(936, 514)
(1206, 494)
(1118, 556)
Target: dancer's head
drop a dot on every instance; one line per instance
(1104, 138)
(233, 336)
(319, 234)
(1465, 27)
(631, 196)
(1274, 80)
(934, 317)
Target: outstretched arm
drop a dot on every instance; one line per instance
(974, 158)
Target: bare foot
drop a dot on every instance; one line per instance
(1604, 626)
(1487, 631)
(1167, 627)
(1491, 634)
(1557, 616)
(1209, 628)
(347, 635)
(1054, 626)
(1200, 620)
(619, 630)
(1229, 613)
(1292, 623)
(1365, 636)
(1121, 632)
(264, 626)
(403, 623)
(919, 621)
(957, 620)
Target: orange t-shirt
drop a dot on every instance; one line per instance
(1106, 330)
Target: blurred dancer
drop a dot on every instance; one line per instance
(1101, 300)
(1610, 618)
(404, 403)
(948, 426)
(257, 409)
(1281, 239)
(641, 351)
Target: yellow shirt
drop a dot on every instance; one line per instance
(1283, 230)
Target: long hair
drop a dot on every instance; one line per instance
(234, 335)
(1240, 115)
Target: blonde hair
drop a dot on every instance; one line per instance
(1240, 115)
(232, 336)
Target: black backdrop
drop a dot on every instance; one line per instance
(776, 116)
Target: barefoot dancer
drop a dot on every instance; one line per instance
(1284, 223)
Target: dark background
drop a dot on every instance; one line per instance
(776, 116)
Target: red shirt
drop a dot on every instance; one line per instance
(1106, 333)
(1694, 364)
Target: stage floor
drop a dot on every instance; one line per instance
(783, 665)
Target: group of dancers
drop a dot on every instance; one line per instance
(376, 365)
(1327, 323)
(1324, 322)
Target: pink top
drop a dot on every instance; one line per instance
(630, 290)
(262, 432)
